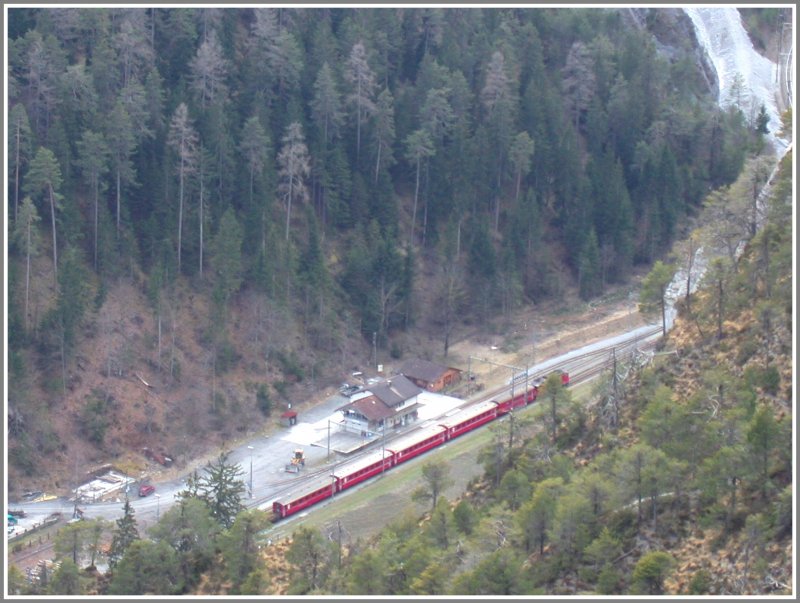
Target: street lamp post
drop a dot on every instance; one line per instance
(250, 448)
(158, 505)
(383, 445)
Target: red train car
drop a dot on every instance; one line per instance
(469, 419)
(350, 474)
(303, 496)
(413, 444)
(401, 450)
(521, 399)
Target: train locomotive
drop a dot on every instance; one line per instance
(350, 473)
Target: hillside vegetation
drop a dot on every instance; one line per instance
(215, 211)
(676, 479)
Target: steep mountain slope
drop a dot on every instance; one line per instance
(173, 300)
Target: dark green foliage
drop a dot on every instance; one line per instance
(240, 544)
(220, 488)
(514, 489)
(94, 417)
(147, 568)
(263, 400)
(483, 126)
(654, 288)
(651, 571)
(290, 365)
(497, 574)
(763, 438)
(767, 378)
(125, 534)
(227, 261)
(700, 582)
(74, 295)
(465, 517)
(608, 580)
(191, 531)
(558, 146)
(311, 555)
(436, 478)
(67, 579)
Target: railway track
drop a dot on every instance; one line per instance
(582, 367)
(30, 553)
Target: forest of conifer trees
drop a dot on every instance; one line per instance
(512, 145)
(361, 173)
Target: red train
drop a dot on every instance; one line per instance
(407, 447)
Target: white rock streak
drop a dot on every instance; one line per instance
(721, 32)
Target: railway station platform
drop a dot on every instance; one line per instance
(345, 443)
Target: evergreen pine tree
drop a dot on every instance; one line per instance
(125, 534)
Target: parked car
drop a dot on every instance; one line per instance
(146, 490)
(349, 390)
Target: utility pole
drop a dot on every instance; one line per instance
(375, 349)
(614, 383)
(469, 375)
(339, 525)
(250, 448)
(526, 384)
(383, 445)
(510, 432)
(329, 439)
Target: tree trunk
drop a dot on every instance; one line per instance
(119, 198)
(158, 348)
(27, 273)
(53, 221)
(63, 362)
(719, 309)
(378, 162)
(201, 215)
(425, 212)
(96, 211)
(289, 204)
(358, 122)
(180, 211)
(458, 238)
(16, 171)
(414, 212)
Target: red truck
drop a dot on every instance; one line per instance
(146, 490)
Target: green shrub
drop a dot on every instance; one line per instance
(608, 580)
(700, 582)
(263, 401)
(94, 419)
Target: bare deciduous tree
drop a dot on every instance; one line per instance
(183, 140)
(362, 78)
(208, 71)
(294, 168)
(27, 236)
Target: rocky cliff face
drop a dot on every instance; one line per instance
(674, 35)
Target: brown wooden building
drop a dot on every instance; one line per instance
(430, 375)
